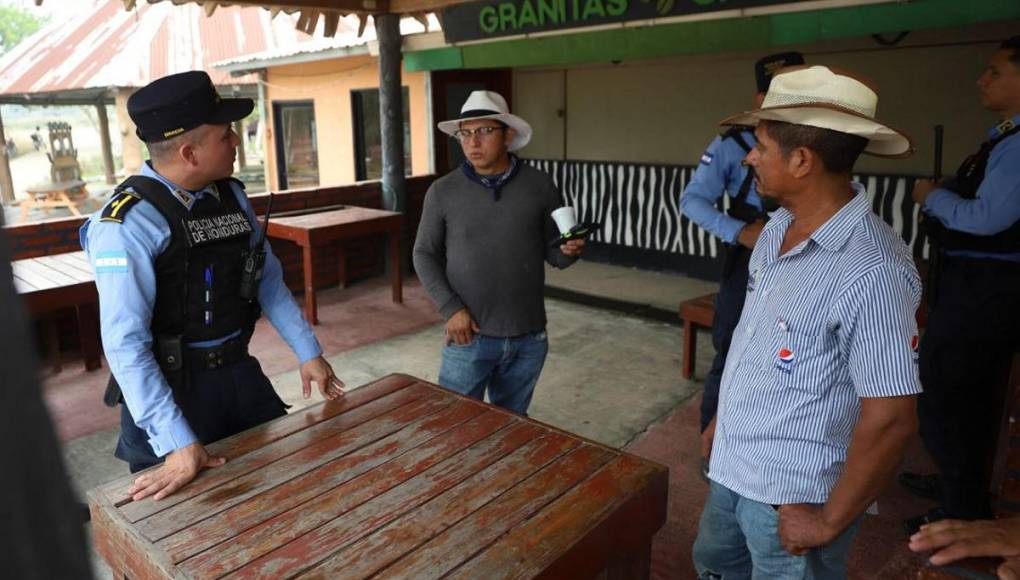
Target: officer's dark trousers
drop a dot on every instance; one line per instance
(729, 303)
(964, 362)
(217, 403)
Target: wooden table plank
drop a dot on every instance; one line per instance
(534, 547)
(413, 419)
(290, 526)
(382, 547)
(388, 472)
(448, 550)
(75, 261)
(253, 439)
(56, 277)
(317, 544)
(22, 269)
(72, 274)
(212, 478)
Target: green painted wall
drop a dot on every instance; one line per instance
(715, 35)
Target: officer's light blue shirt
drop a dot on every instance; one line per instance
(827, 323)
(719, 171)
(995, 207)
(123, 258)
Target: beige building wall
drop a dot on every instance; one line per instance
(667, 110)
(329, 84)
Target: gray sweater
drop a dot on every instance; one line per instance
(473, 251)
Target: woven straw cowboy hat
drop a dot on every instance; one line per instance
(818, 96)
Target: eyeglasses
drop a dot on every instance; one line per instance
(481, 132)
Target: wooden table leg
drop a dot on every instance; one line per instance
(341, 265)
(53, 340)
(398, 288)
(88, 332)
(689, 349)
(311, 313)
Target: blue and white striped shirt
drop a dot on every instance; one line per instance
(829, 322)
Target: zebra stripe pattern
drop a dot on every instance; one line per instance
(638, 205)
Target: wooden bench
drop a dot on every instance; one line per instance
(697, 313)
(399, 479)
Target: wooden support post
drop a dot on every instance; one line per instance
(104, 134)
(6, 182)
(239, 129)
(391, 115)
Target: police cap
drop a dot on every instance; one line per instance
(177, 103)
(766, 67)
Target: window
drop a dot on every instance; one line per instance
(367, 134)
(297, 156)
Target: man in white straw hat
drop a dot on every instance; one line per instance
(817, 400)
(484, 234)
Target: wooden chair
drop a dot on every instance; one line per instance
(697, 313)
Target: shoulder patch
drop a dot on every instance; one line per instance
(119, 206)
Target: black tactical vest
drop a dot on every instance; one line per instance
(965, 184)
(739, 208)
(197, 275)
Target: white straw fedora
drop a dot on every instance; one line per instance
(490, 105)
(818, 96)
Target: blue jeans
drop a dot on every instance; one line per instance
(738, 538)
(508, 367)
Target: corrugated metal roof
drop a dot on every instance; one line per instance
(112, 47)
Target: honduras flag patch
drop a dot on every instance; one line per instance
(706, 158)
(114, 262)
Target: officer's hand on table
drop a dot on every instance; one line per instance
(922, 187)
(180, 467)
(573, 248)
(954, 540)
(748, 235)
(802, 527)
(461, 328)
(707, 436)
(321, 372)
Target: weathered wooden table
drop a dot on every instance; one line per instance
(66, 194)
(315, 231)
(402, 479)
(49, 283)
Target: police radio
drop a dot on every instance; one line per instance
(253, 260)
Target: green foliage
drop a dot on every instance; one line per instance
(15, 24)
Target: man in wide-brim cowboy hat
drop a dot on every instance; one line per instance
(817, 398)
(485, 232)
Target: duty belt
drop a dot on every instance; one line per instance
(214, 357)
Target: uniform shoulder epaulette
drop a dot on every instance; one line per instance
(235, 181)
(119, 205)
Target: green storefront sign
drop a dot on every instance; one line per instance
(496, 18)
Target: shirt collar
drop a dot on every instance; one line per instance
(1003, 127)
(186, 197)
(835, 232)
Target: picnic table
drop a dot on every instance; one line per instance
(50, 283)
(401, 478)
(67, 194)
(316, 231)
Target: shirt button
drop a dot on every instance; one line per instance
(750, 331)
(765, 293)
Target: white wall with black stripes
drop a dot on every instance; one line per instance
(638, 205)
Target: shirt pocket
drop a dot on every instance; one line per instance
(802, 360)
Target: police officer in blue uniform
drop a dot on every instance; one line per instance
(722, 171)
(974, 324)
(177, 308)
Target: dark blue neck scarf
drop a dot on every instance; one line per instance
(493, 182)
